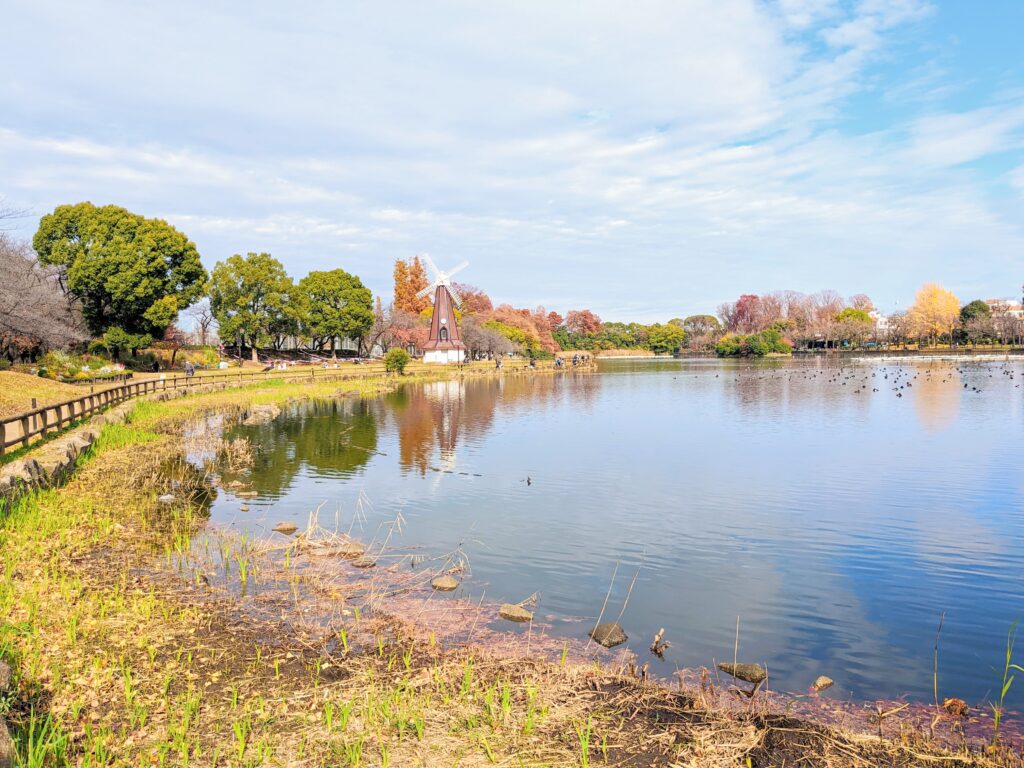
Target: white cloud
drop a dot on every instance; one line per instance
(955, 138)
(652, 160)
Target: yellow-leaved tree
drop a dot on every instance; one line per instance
(935, 312)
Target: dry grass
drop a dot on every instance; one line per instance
(18, 389)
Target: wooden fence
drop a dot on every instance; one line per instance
(25, 428)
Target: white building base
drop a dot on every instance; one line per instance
(444, 356)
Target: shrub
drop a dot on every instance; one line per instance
(395, 360)
(755, 345)
(729, 345)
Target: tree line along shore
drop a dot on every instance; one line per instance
(110, 285)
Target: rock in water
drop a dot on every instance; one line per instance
(608, 634)
(515, 613)
(749, 673)
(244, 508)
(444, 583)
(286, 528)
(247, 494)
(262, 414)
(821, 683)
(363, 562)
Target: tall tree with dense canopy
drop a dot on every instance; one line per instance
(338, 305)
(248, 296)
(974, 309)
(665, 339)
(582, 321)
(935, 312)
(854, 325)
(410, 278)
(125, 270)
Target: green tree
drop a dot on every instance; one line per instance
(665, 339)
(337, 305)
(768, 341)
(252, 297)
(126, 271)
(854, 325)
(975, 309)
(116, 340)
(854, 316)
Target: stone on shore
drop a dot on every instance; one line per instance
(444, 583)
(6, 678)
(7, 751)
(364, 562)
(821, 683)
(515, 613)
(608, 634)
(349, 550)
(748, 673)
(286, 528)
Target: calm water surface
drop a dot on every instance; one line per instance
(837, 522)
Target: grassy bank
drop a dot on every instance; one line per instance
(124, 657)
(18, 389)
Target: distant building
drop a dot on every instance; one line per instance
(1005, 307)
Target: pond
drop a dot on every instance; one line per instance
(835, 511)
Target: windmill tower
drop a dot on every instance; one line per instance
(445, 342)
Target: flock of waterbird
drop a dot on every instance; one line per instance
(896, 379)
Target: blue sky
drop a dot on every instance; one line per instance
(643, 159)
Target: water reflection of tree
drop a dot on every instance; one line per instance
(937, 392)
(442, 414)
(333, 437)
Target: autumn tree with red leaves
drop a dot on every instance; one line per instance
(582, 321)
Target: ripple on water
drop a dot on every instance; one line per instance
(837, 524)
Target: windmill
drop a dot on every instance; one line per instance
(445, 342)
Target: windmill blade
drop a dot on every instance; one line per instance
(455, 296)
(431, 264)
(462, 265)
(426, 291)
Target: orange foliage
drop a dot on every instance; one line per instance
(535, 324)
(474, 300)
(582, 321)
(410, 279)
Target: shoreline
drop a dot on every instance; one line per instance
(135, 613)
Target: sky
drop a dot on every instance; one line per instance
(646, 160)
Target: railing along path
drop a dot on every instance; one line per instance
(25, 428)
